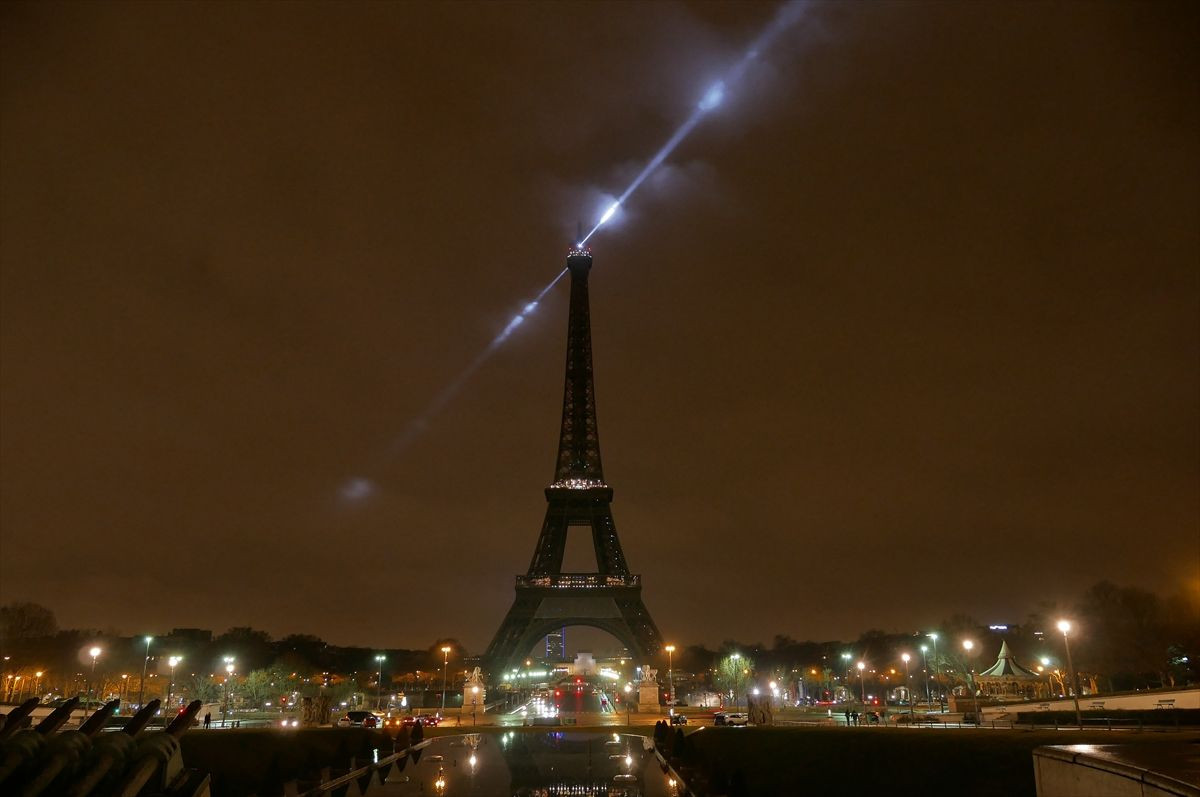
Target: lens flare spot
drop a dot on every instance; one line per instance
(608, 214)
(357, 489)
(712, 98)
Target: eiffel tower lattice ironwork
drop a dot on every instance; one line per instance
(548, 599)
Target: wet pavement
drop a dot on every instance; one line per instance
(534, 764)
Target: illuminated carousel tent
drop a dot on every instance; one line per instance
(1007, 678)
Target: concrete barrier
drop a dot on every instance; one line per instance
(1088, 770)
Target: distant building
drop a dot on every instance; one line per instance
(200, 636)
(556, 645)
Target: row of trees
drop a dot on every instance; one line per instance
(1127, 637)
(1124, 638)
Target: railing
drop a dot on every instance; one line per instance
(578, 581)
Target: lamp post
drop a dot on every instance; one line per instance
(229, 669)
(445, 666)
(907, 679)
(628, 692)
(474, 701)
(937, 674)
(737, 669)
(95, 654)
(37, 686)
(124, 685)
(671, 674)
(925, 667)
(1065, 627)
(379, 659)
(846, 657)
(145, 661)
(172, 662)
(968, 645)
(862, 665)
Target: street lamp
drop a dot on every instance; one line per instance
(937, 673)
(736, 657)
(474, 700)
(95, 654)
(671, 674)
(172, 662)
(925, 667)
(861, 683)
(846, 657)
(1065, 627)
(628, 692)
(380, 659)
(968, 645)
(229, 669)
(907, 678)
(37, 686)
(445, 665)
(145, 661)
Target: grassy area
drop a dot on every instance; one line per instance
(850, 761)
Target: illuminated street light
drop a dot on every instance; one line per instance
(95, 654)
(937, 672)
(1065, 627)
(145, 661)
(445, 665)
(861, 683)
(474, 701)
(380, 659)
(628, 692)
(671, 674)
(172, 662)
(925, 667)
(907, 679)
(229, 670)
(968, 645)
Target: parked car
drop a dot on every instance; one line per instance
(679, 719)
(916, 719)
(737, 718)
(718, 718)
(359, 719)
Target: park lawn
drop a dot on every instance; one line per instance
(790, 762)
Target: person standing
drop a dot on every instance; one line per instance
(207, 720)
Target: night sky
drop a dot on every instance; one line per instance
(909, 326)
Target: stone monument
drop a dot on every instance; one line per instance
(474, 694)
(647, 690)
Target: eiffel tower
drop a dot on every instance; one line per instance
(547, 598)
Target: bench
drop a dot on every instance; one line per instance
(1167, 702)
(1096, 705)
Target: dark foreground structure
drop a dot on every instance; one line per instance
(547, 598)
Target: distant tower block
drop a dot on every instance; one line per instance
(547, 599)
(556, 645)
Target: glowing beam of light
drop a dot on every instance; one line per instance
(439, 402)
(358, 488)
(788, 15)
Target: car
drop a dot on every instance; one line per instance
(679, 719)
(429, 720)
(719, 717)
(916, 719)
(359, 719)
(737, 718)
(394, 722)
